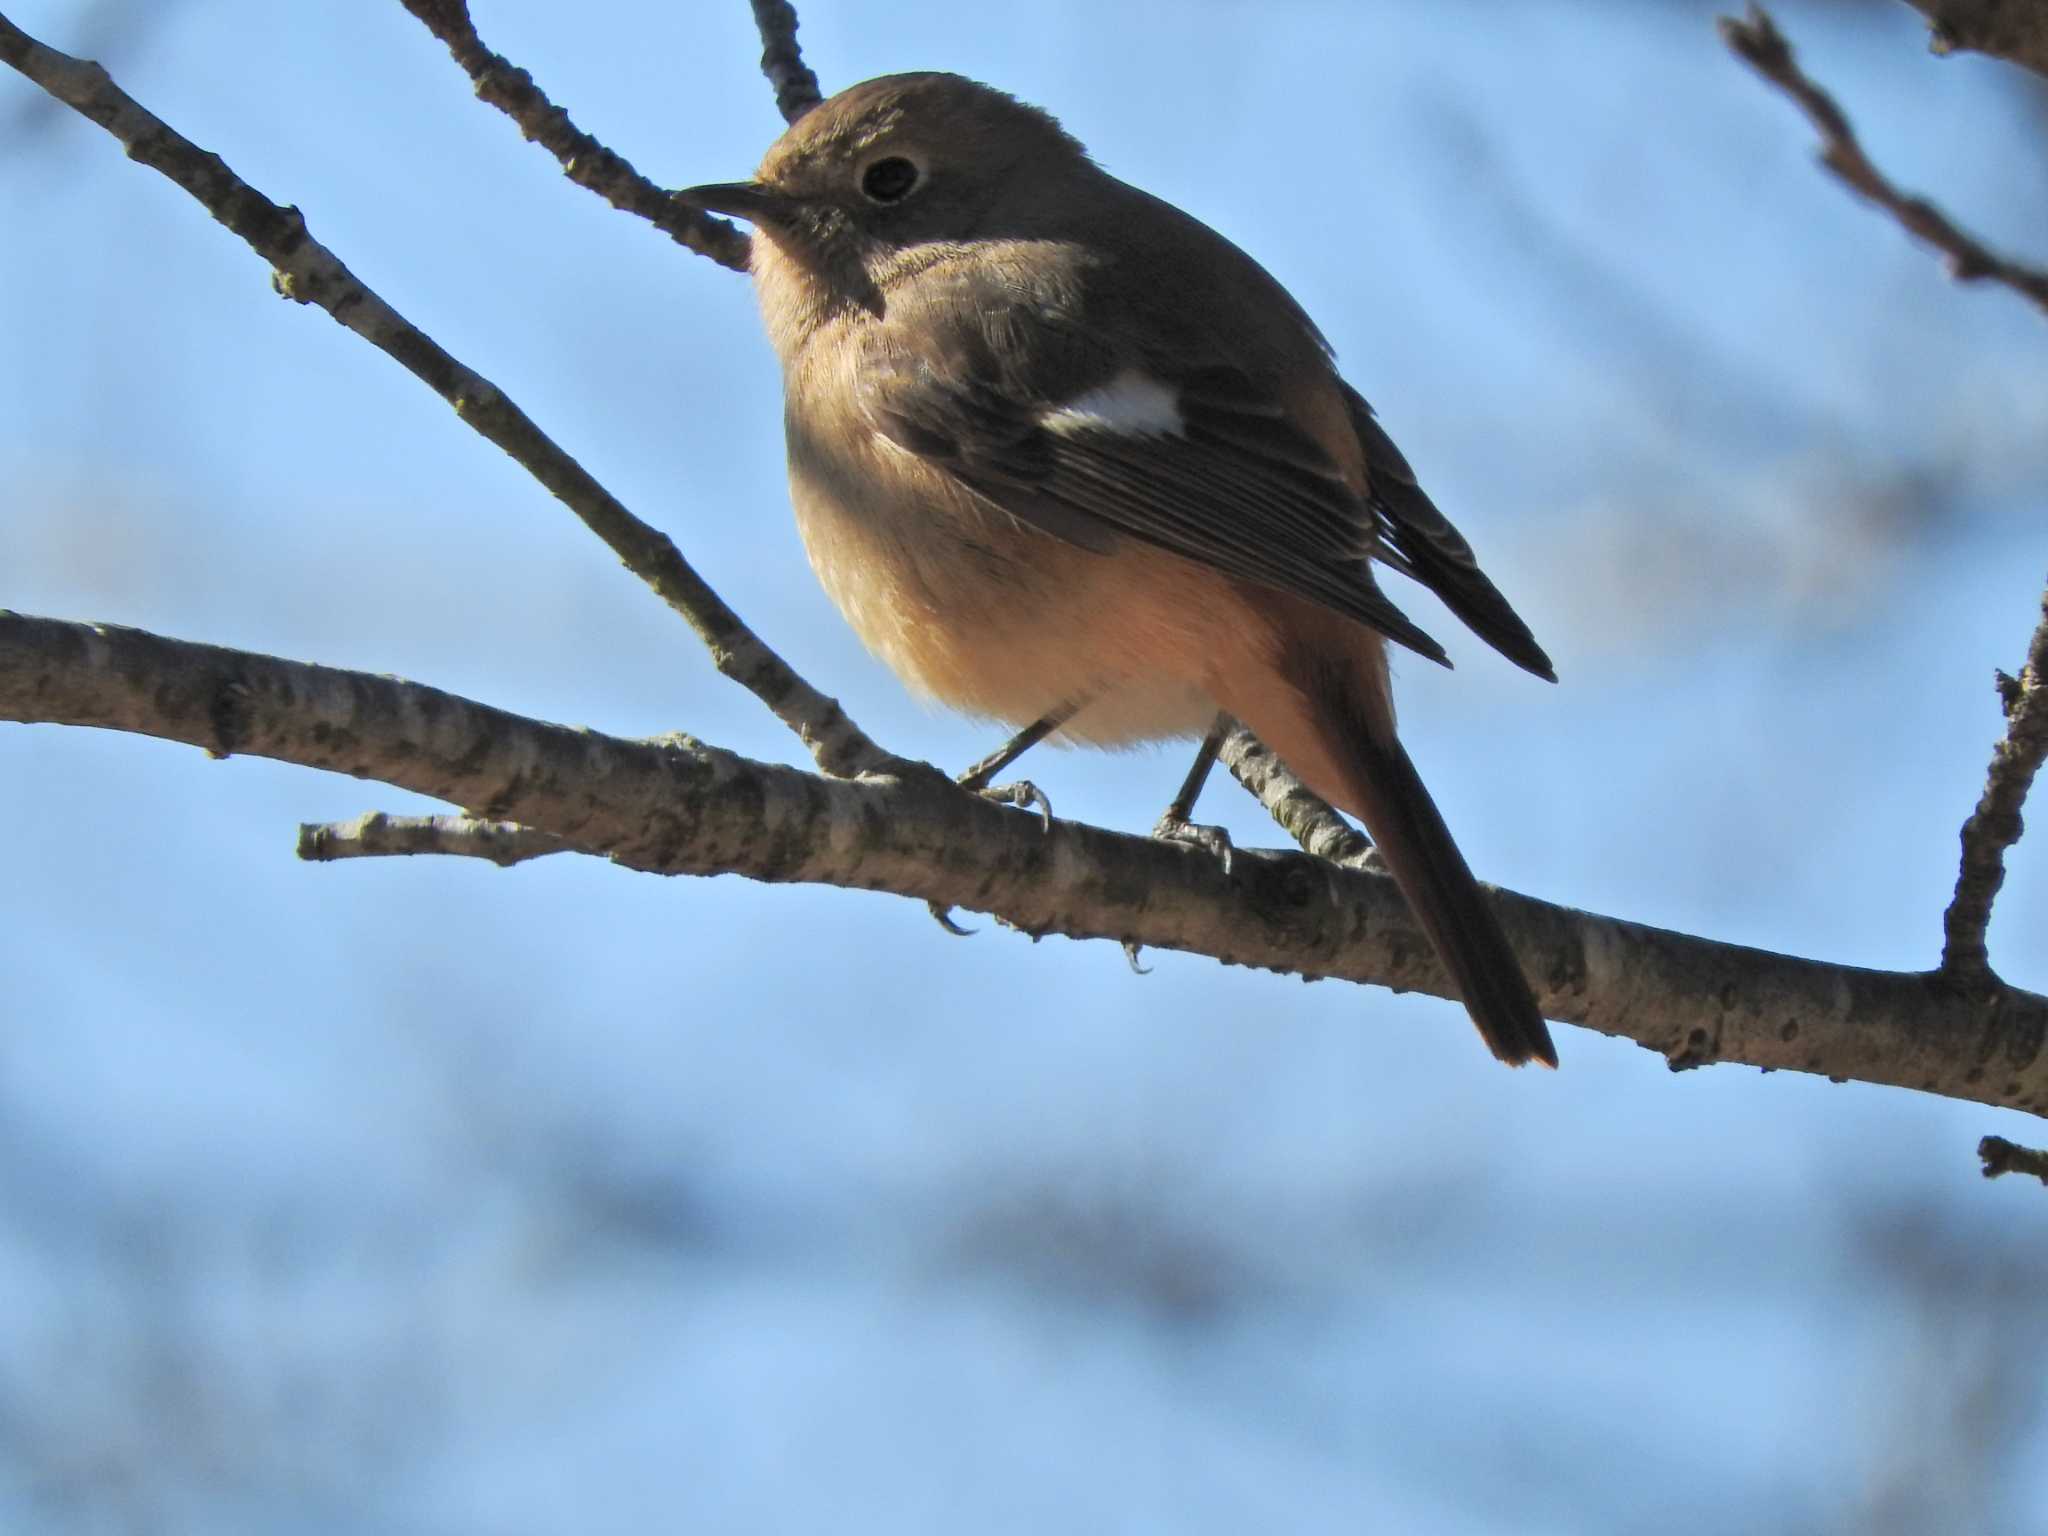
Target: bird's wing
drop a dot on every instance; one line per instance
(1419, 541)
(1040, 418)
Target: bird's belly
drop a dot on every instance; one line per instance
(984, 614)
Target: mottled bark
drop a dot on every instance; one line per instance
(678, 806)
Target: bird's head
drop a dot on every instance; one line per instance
(864, 182)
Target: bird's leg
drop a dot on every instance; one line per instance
(1174, 826)
(977, 777)
(1023, 794)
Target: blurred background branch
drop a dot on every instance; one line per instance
(1759, 42)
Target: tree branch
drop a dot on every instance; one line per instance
(1995, 825)
(374, 834)
(1303, 814)
(678, 806)
(796, 88)
(2013, 30)
(2001, 1157)
(308, 272)
(584, 160)
(1759, 43)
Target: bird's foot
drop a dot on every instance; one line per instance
(1023, 794)
(1178, 829)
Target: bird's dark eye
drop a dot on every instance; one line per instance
(890, 180)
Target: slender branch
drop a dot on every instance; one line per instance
(308, 272)
(678, 806)
(584, 160)
(2014, 30)
(2001, 1156)
(1995, 825)
(1306, 817)
(1759, 43)
(377, 835)
(796, 88)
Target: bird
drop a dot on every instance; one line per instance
(1066, 458)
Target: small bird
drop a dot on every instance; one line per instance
(1066, 457)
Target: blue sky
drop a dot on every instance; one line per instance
(425, 1197)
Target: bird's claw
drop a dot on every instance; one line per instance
(1024, 795)
(1213, 840)
(943, 916)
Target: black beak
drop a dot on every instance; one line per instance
(747, 200)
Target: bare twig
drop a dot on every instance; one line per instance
(1995, 825)
(584, 160)
(796, 88)
(311, 274)
(2014, 30)
(378, 835)
(104, 29)
(1306, 817)
(677, 806)
(1758, 42)
(2002, 1156)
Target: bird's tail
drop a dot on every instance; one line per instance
(1337, 733)
(1389, 797)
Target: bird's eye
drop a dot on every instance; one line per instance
(890, 180)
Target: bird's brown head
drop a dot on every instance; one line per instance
(889, 166)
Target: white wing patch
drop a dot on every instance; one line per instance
(1133, 403)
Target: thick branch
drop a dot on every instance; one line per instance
(2014, 30)
(1996, 825)
(584, 160)
(677, 806)
(796, 88)
(310, 273)
(1758, 41)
